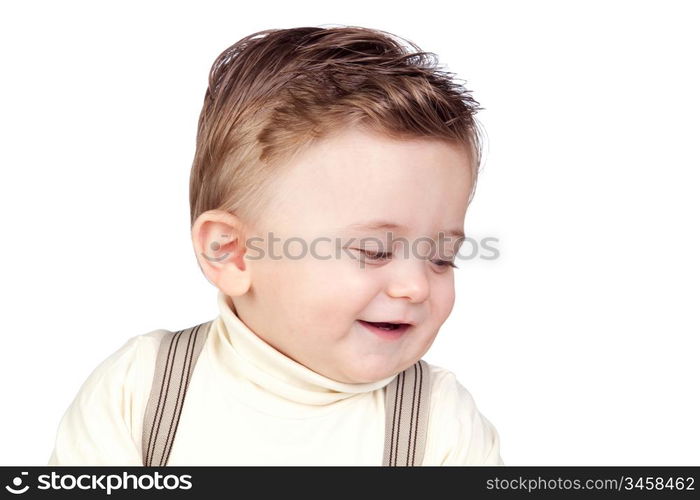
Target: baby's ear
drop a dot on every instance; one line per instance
(218, 239)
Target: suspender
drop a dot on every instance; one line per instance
(406, 402)
(177, 355)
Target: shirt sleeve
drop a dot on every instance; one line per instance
(96, 429)
(459, 434)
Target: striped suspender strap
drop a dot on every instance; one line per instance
(407, 401)
(177, 355)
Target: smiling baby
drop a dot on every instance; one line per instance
(332, 175)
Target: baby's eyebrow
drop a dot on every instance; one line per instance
(376, 225)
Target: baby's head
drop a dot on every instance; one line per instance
(333, 171)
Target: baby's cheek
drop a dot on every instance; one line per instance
(444, 300)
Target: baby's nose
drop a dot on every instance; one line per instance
(409, 279)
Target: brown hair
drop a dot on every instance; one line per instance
(273, 92)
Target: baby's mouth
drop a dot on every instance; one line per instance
(396, 329)
(387, 326)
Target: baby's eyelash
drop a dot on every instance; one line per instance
(374, 254)
(383, 255)
(443, 263)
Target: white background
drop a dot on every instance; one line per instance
(580, 343)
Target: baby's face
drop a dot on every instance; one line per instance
(312, 308)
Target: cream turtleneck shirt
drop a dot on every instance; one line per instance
(249, 404)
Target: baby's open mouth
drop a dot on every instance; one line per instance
(387, 327)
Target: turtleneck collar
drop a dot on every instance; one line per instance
(241, 353)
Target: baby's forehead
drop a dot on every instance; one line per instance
(394, 228)
(380, 182)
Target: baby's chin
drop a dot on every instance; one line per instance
(369, 371)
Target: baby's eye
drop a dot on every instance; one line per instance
(445, 263)
(377, 255)
(374, 255)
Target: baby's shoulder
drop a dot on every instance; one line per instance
(125, 367)
(453, 409)
(447, 392)
(141, 347)
(147, 344)
(458, 432)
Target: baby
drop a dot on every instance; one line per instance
(332, 175)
